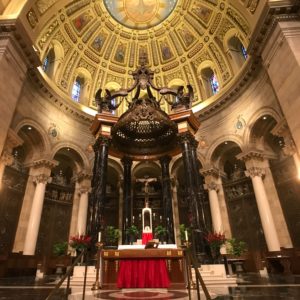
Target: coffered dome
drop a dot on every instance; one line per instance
(100, 42)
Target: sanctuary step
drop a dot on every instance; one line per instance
(76, 280)
(214, 275)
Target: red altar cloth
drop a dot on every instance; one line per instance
(143, 273)
(146, 237)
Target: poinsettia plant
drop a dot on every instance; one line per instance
(80, 242)
(215, 239)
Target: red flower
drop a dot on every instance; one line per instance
(215, 238)
(80, 242)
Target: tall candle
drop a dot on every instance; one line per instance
(99, 236)
(186, 236)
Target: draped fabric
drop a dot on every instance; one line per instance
(146, 237)
(143, 273)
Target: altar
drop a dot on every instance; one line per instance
(142, 268)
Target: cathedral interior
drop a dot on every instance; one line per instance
(188, 107)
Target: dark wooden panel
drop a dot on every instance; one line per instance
(288, 189)
(11, 198)
(56, 218)
(244, 218)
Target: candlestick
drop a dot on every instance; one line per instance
(186, 236)
(133, 219)
(99, 236)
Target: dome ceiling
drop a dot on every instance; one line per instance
(103, 40)
(140, 14)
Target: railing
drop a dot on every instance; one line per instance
(67, 276)
(191, 262)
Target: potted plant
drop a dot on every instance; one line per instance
(112, 235)
(132, 232)
(80, 242)
(60, 249)
(236, 247)
(215, 240)
(161, 233)
(184, 233)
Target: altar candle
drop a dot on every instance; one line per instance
(186, 236)
(99, 236)
(160, 217)
(133, 219)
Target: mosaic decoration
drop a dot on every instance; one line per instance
(166, 51)
(140, 14)
(99, 41)
(203, 13)
(120, 53)
(81, 21)
(187, 37)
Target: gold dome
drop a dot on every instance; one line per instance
(180, 39)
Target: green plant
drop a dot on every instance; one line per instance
(182, 230)
(111, 235)
(236, 247)
(160, 231)
(60, 249)
(132, 231)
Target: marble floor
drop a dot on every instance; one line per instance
(250, 286)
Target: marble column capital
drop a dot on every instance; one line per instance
(41, 178)
(255, 171)
(83, 176)
(84, 190)
(210, 172)
(211, 186)
(7, 159)
(186, 137)
(44, 163)
(102, 141)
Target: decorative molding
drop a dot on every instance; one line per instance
(41, 178)
(255, 171)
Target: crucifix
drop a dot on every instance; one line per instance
(147, 212)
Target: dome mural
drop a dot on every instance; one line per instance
(141, 14)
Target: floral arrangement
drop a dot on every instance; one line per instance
(80, 242)
(215, 241)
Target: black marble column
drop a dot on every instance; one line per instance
(167, 198)
(98, 195)
(127, 163)
(187, 142)
(199, 186)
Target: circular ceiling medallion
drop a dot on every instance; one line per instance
(140, 14)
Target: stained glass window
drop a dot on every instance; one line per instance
(244, 52)
(214, 84)
(76, 90)
(45, 63)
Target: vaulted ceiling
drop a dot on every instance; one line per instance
(104, 39)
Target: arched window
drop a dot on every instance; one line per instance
(237, 53)
(210, 83)
(77, 87)
(214, 84)
(48, 63)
